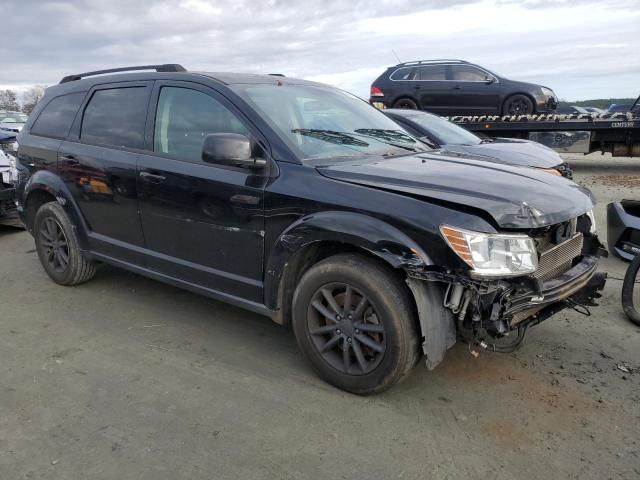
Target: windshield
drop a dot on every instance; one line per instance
(320, 122)
(443, 131)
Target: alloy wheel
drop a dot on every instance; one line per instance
(345, 329)
(54, 244)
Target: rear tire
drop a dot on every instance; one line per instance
(518, 105)
(57, 247)
(405, 104)
(355, 323)
(630, 279)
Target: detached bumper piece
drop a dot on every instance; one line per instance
(623, 228)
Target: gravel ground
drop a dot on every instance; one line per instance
(128, 378)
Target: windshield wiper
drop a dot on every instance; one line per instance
(391, 137)
(331, 136)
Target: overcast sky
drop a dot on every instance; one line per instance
(581, 48)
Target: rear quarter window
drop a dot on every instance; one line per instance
(405, 73)
(56, 117)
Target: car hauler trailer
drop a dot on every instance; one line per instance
(616, 133)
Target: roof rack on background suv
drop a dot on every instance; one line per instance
(167, 67)
(439, 60)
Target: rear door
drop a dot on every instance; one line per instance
(98, 165)
(203, 223)
(432, 88)
(472, 92)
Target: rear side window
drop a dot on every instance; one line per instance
(116, 117)
(185, 117)
(57, 116)
(405, 73)
(432, 72)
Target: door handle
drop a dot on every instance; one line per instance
(417, 87)
(152, 177)
(69, 159)
(457, 87)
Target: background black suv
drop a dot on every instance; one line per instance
(303, 203)
(456, 87)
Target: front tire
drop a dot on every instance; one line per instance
(355, 323)
(518, 105)
(57, 247)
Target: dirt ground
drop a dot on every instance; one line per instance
(127, 378)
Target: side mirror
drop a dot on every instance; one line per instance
(489, 80)
(230, 149)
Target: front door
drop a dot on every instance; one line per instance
(203, 223)
(475, 91)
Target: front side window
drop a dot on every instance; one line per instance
(323, 122)
(185, 117)
(432, 72)
(116, 117)
(466, 73)
(57, 116)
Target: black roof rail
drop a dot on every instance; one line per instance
(427, 62)
(167, 67)
(277, 74)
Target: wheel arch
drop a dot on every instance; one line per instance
(319, 235)
(43, 187)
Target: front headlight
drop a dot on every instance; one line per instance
(493, 255)
(547, 92)
(592, 217)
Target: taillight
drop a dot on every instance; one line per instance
(376, 92)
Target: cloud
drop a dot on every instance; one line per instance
(580, 48)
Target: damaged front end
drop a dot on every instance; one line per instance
(495, 312)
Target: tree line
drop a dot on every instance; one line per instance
(24, 102)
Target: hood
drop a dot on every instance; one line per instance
(511, 151)
(515, 197)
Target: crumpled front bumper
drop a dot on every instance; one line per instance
(582, 279)
(498, 305)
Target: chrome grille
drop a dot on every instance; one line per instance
(558, 259)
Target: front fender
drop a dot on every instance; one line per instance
(44, 180)
(362, 231)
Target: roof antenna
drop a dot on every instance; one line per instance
(397, 57)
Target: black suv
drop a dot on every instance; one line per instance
(303, 203)
(456, 87)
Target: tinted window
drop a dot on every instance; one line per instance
(185, 117)
(432, 72)
(56, 118)
(116, 117)
(443, 131)
(405, 73)
(465, 73)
